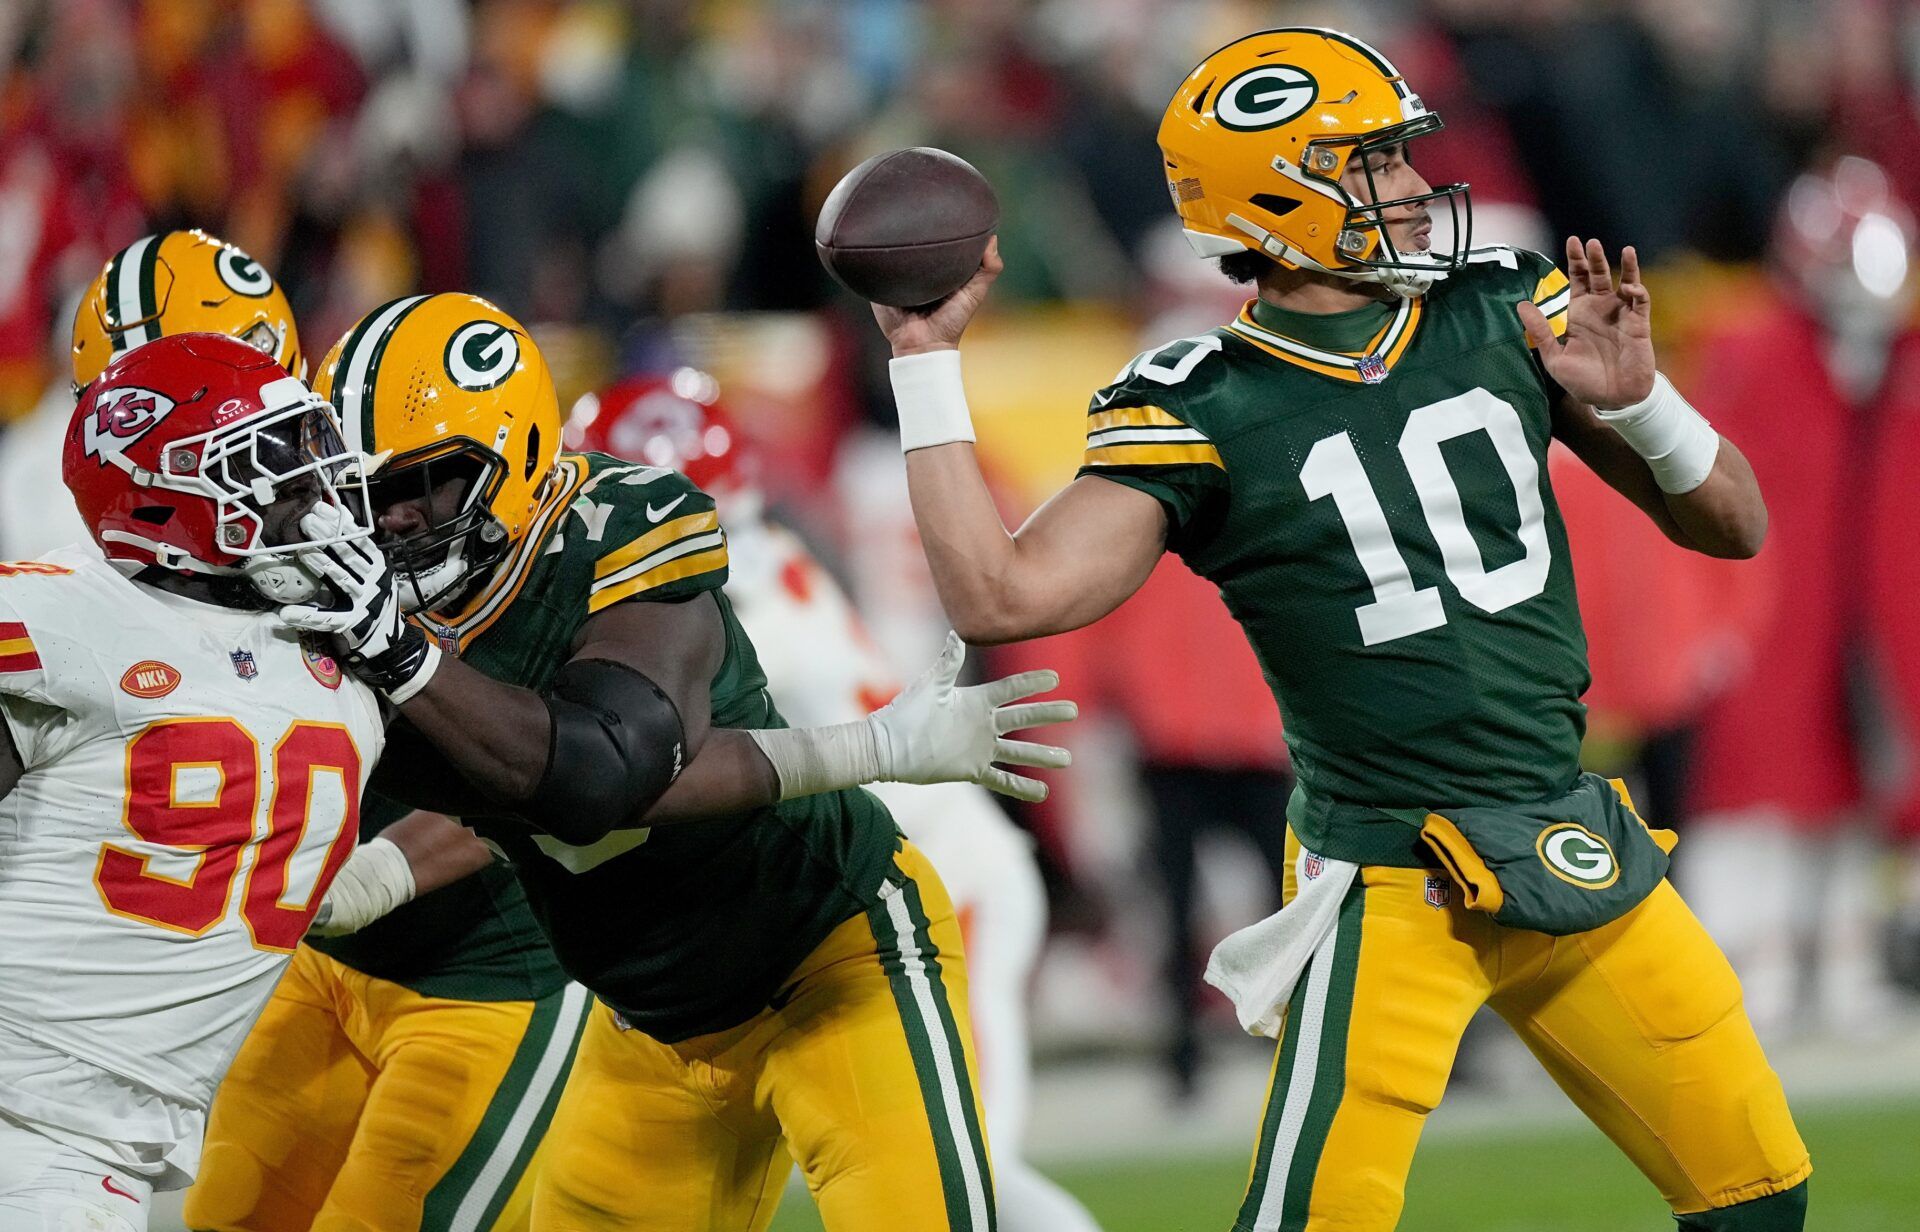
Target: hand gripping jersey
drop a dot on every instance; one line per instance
(689, 928)
(822, 668)
(1378, 519)
(192, 785)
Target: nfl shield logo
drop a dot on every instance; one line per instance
(1312, 866)
(1438, 891)
(1373, 369)
(243, 664)
(442, 636)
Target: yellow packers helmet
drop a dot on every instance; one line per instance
(452, 389)
(181, 282)
(1257, 138)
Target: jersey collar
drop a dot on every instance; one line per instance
(1369, 365)
(498, 594)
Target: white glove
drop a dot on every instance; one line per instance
(380, 645)
(375, 879)
(933, 732)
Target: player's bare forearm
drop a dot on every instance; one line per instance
(729, 776)
(496, 735)
(501, 737)
(439, 850)
(1725, 516)
(1076, 559)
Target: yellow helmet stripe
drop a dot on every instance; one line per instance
(359, 366)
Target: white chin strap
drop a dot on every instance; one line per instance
(1406, 283)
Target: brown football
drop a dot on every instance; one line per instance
(906, 228)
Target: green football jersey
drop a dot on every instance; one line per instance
(474, 940)
(694, 927)
(1375, 510)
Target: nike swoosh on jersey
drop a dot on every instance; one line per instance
(106, 1183)
(654, 515)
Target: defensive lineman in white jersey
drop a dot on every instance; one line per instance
(179, 774)
(823, 669)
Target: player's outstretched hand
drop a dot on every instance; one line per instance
(938, 732)
(937, 327)
(1606, 357)
(380, 645)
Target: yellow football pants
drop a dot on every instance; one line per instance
(861, 1070)
(1640, 1022)
(358, 1105)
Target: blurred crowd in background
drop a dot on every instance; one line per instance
(637, 180)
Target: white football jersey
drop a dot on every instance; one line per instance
(823, 668)
(192, 785)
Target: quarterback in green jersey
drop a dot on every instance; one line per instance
(1358, 462)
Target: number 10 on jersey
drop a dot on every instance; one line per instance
(1399, 608)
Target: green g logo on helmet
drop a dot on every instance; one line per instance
(1577, 856)
(242, 273)
(482, 354)
(1265, 97)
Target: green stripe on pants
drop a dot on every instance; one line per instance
(1308, 1081)
(469, 1197)
(905, 947)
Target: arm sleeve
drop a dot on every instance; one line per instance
(662, 541)
(1152, 448)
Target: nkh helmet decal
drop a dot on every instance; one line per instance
(181, 282)
(1258, 143)
(198, 453)
(457, 397)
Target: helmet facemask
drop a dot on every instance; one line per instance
(289, 452)
(1365, 241)
(454, 550)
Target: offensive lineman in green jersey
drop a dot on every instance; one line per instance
(1359, 463)
(779, 978)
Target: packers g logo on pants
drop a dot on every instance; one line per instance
(1578, 856)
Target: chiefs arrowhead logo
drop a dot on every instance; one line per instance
(150, 678)
(122, 416)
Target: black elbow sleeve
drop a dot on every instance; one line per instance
(617, 743)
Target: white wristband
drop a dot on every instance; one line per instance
(428, 666)
(1678, 443)
(810, 760)
(375, 879)
(931, 399)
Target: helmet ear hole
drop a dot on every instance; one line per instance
(533, 450)
(153, 515)
(1275, 205)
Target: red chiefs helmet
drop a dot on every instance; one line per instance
(177, 451)
(675, 421)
